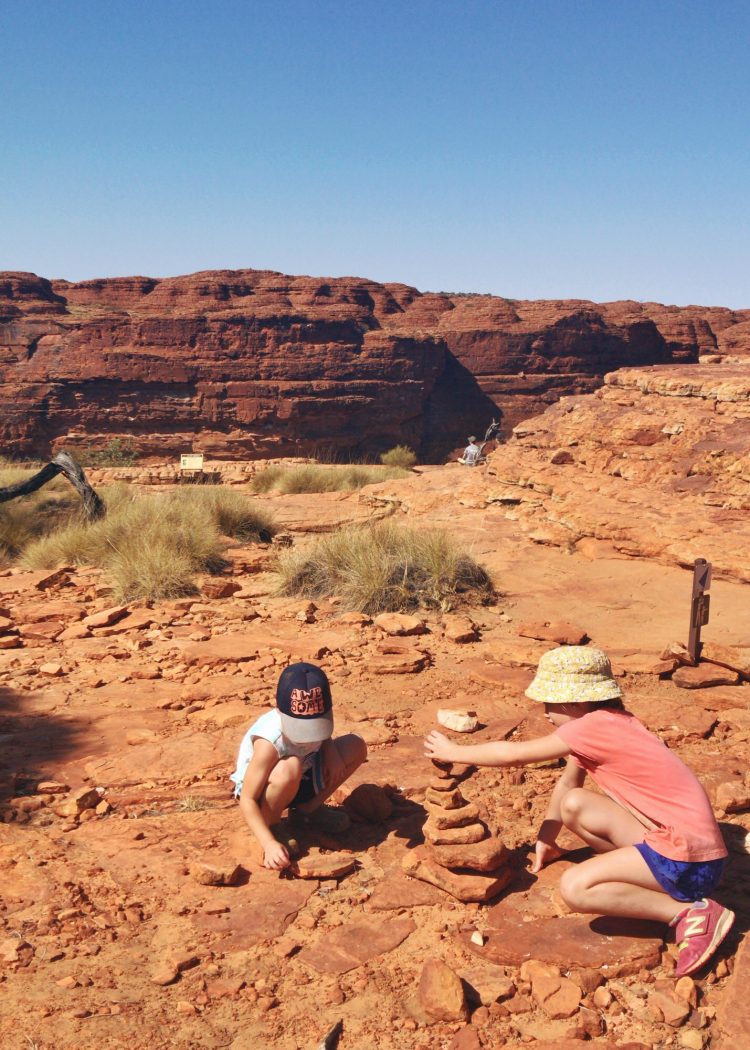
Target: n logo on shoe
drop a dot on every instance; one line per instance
(694, 924)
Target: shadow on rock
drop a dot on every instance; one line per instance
(32, 746)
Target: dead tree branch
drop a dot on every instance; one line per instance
(63, 463)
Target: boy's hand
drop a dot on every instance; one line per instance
(438, 747)
(275, 857)
(545, 853)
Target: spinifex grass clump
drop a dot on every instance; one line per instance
(26, 518)
(386, 568)
(400, 456)
(152, 547)
(322, 477)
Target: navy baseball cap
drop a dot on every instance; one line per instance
(303, 699)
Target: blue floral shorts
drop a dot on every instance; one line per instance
(684, 880)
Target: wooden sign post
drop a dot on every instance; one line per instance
(699, 606)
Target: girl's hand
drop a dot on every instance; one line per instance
(275, 856)
(438, 747)
(545, 853)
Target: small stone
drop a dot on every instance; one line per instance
(459, 836)
(704, 676)
(68, 982)
(559, 632)
(186, 1008)
(691, 1039)
(400, 624)
(602, 998)
(558, 996)
(486, 855)
(163, 977)
(220, 588)
(477, 938)
(441, 993)
(458, 721)
(440, 818)
(460, 630)
(686, 991)
(50, 670)
(317, 865)
(228, 874)
(445, 799)
(667, 1008)
(106, 617)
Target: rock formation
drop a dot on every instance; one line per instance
(462, 856)
(245, 362)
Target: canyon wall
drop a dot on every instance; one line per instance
(255, 363)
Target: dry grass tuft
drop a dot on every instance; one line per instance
(323, 477)
(387, 568)
(152, 547)
(401, 456)
(27, 518)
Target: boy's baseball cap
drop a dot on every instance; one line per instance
(303, 698)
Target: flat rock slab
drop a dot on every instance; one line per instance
(514, 679)
(734, 1011)
(704, 676)
(351, 946)
(616, 946)
(398, 891)
(466, 886)
(270, 905)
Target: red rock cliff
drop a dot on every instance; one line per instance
(253, 362)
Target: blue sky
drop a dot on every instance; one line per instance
(529, 149)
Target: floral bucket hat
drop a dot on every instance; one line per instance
(574, 674)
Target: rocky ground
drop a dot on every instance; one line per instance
(134, 912)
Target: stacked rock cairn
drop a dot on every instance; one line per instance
(460, 854)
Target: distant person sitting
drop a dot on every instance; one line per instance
(471, 454)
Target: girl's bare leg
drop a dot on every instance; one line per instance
(619, 882)
(599, 821)
(281, 788)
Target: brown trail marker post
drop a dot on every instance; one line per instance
(699, 606)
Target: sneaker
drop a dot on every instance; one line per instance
(332, 819)
(698, 932)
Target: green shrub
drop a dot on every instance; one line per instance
(118, 452)
(386, 567)
(401, 456)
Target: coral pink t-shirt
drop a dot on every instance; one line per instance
(639, 772)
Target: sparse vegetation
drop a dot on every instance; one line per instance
(386, 567)
(401, 456)
(118, 452)
(152, 547)
(27, 518)
(322, 477)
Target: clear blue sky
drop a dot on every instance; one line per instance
(530, 148)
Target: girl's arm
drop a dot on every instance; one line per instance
(498, 753)
(264, 759)
(546, 848)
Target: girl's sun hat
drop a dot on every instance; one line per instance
(574, 674)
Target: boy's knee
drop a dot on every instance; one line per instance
(286, 772)
(352, 749)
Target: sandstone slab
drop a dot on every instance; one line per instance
(354, 944)
(704, 676)
(441, 994)
(615, 946)
(464, 885)
(486, 855)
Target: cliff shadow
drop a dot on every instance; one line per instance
(456, 408)
(32, 744)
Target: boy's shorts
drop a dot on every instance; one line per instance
(312, 782)
(684, 880)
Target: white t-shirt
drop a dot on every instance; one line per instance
(268, 727)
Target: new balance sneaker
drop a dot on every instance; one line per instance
(698, 932)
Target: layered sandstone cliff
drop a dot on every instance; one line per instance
(252, 362)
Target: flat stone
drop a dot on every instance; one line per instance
(464, 886)
(397, 891)
(316, 865)
(486, 855)
(395, 659)
(441, 994)
(557, 996)
(400, 624)
(704, 676)
(458, 721)
(468, 833)
(460, 630)
(554, 631)
(350, 946)
(448, 784)
(736, 658)
(220, 587)
(487, 983)
(617, 947)
(445, 799)
(105, 617)
(271, 905)
(441, 818)
(733, 1016)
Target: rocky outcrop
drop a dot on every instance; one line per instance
(251, 362)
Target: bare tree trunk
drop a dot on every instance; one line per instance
(62, 463)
